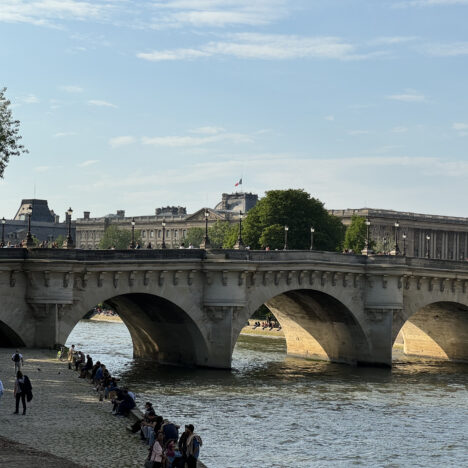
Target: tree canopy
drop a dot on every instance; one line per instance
(194, 236)
(265, 222)
(355, 237)
(9, 133)
(117, 238)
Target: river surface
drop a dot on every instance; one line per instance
(275, 411)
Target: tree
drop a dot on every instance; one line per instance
(9, 133)
(355, 237)
(118, 238)
(194, 236)
(297, 210)
(218, 232)
(231, 236)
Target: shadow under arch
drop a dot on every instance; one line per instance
(319, 326)
(9, 338)
(438, 330)
(160, 330)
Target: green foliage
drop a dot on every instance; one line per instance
(194, 236)
(262, 313)
(118, 238)
(218, 232)
(231, 236)
(9, 134)
(60, 240)
(297, 210)
(355, 237)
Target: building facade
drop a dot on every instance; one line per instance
(89, 231)
(434, 236)
(45, 224)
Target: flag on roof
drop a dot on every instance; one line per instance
(238, 183)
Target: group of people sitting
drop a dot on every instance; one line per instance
(271, 324)
(166, 448)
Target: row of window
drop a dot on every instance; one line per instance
(175, 233)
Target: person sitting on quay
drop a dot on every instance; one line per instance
(170, 431)
(150, 429)
(125, 405)
(148, 415)
(98, 375)
(111, 387)
(87, 367)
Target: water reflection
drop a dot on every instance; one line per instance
(276, 411)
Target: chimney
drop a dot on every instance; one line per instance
(86, 214)
(121, 213)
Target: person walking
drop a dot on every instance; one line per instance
(17, 358)
(23, 391)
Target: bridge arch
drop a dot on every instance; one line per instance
(435, 329)
(8, 337)
(316, 324)
(160, 328)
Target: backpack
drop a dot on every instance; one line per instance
(16, 358)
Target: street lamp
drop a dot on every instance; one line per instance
(239, 244)
(206, 241)
(3, 232)
(163, 245)
(29, 237)
(286, 229)
(367, 250)
(428, 251)
(396, 249)
(69, 240)
(132, 244)
(404, 243)
(312, 230)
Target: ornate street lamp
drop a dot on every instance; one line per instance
(69, 240)
(239, 244)
(428, 250)
(29, 237)
(3, 232)
(312, 230)
(286, 229)
(206, 241)
(404, 243)
(367, 250)
(163, 245)
(132, 244)
(396, 248)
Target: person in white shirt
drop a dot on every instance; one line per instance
(17, 358)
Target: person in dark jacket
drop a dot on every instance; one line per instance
(23, 391)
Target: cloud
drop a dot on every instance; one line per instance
(429, 3)
(63, 134)
(461, 128)
(210, 135)
(121, 141)
(90, 162)
(330, 118)
(358, 132)
(392, 40)
(399, 129)
(453, 49)
(266, 47)
(99, 103)
(29, 99)
(71, 89)
(408, 96)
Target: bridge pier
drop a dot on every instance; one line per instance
(47, 325)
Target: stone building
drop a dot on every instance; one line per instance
(45, 224)
(443, 237)
(89, 231)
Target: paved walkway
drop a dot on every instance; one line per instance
(64, 418)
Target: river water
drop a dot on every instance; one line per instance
(275, 411)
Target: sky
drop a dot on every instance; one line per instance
(135, 105)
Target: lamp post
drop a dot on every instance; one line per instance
(132, 244)
(286, 229)
(3, 232)
(428, 250)
(396, 248)
(206, 241)
(163, 245)
(239, 244)
(367, 250)
(312, 230)
(29, 237)
(404, 243)
(68, 244)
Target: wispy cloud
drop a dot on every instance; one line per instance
(429, 3)
(461, 128)
(453, 49)
(408, 96)
(71, 88)
(28, 99)
(87, 163)
(399, 129)
(99, 103)
(194, 141)
(121, 141)
(63, 134)
(358, 132)
(392, 40)
(330, 118)
(208, 130)
(267, 47)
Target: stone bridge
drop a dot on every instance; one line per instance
(187, 307)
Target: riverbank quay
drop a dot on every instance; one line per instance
(65, 417)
